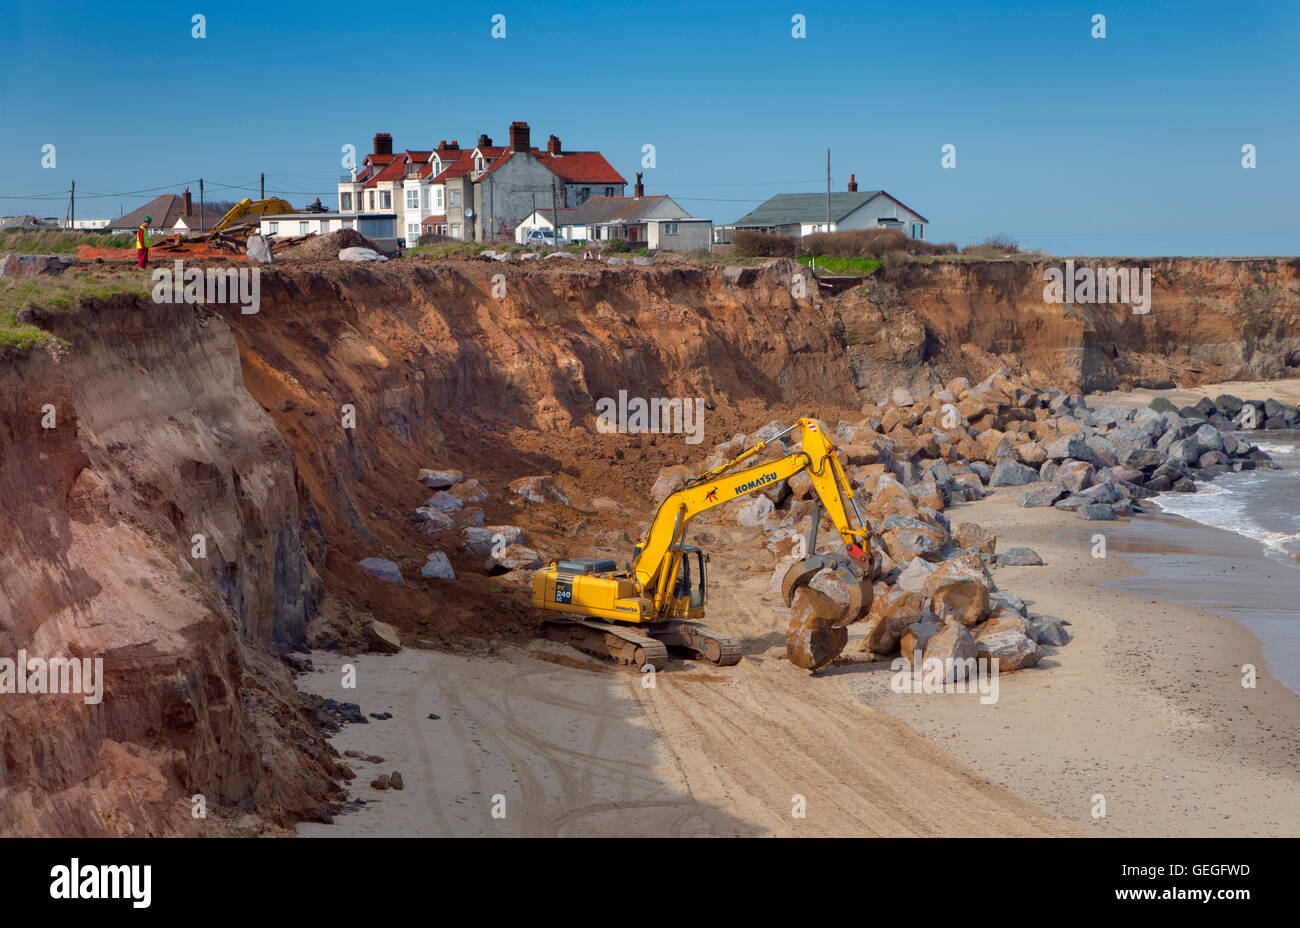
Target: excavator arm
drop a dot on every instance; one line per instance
(659, 555)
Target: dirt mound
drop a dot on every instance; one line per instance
(326, 247)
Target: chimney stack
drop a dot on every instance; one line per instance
(638, 189)
(553, 145)
(186, 198)
(383, 143)
(484, 141)
(520, 136)
(853, 183)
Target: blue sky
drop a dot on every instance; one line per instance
(1127, 145)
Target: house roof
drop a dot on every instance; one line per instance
(579, 167)
(165, 211)
(595, 210)
(434, 219)
(394, 170)
(458, 168)
(791, 208)
(573, 167)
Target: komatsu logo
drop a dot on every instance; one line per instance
(755, 484)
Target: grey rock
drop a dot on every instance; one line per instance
(438, 566)
(384, 570)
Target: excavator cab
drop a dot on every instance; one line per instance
(690, 585)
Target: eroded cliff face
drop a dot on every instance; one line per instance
(1208, 320)
(291, 439)
(118, 448)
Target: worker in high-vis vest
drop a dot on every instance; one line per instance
(142, 243)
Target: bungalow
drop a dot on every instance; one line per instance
(654, 222)
(801, 214)
(380, 228)
(170, 214)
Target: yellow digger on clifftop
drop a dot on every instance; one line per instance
(656, 601)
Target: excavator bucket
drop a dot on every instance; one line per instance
(825, 592)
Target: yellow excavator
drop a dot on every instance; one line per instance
(635, 613)
(246, 209)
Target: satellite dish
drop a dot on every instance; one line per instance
(469, 214)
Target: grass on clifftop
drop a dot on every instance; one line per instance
(841, 267)
(60, 294)
(49, 242)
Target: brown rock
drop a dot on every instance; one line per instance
(959, 593)
(889, 621)
(973, 535)
(1011, 649)
(382, 638)
(811, 640)
(955, 648)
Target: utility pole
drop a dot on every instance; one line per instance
(72, 206)
(203, 213)
(828, 190)
(264, 185)
(555, 219)
(492, 216)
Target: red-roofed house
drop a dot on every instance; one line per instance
(472, 192)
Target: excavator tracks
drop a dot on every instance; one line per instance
(709, 644)
(616, 642)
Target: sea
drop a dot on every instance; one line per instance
(1249, 569)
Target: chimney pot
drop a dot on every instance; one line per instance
(638, 189)
(383, 143)
(186, 198)
(553, 145)
(853, 183)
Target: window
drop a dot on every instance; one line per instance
(455, 199)
(478, 164)
(273, 228)
(918, 230)
(412, 231)
(304, 226)
(370, 199)
(609, 191)
(670, 228)
(437, 198)
(412, 198)
(386, 199)
(345, 201)
(583, 194)
(440, 228)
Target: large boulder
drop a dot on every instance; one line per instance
(670, 480)
(381, 568)
(440, 479)
(973, 536)
(512, 557)
(916, 636)
(438, 566)
(382, 638)
(890, 617)
(1019, 557)
(539, 490)
(360, 255)
(1011, 649)
(912, 577)
(481, 539)
(952, 646)
(958, 592)
(1043, 496)
(1009, 473)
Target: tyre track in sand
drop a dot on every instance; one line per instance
(749, 746)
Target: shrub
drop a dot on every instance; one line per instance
(432, 238)
(993, 247)
(750, 244)
(618, 245)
